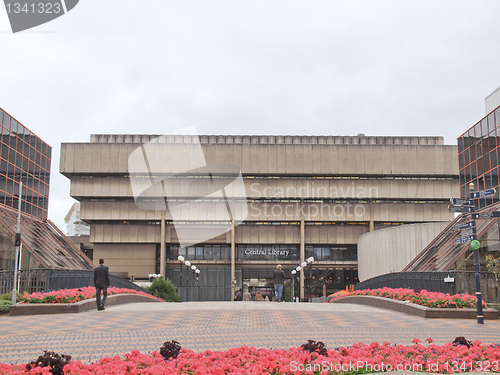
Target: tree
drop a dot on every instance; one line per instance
(165, 289)
(493, 266)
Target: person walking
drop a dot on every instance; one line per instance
(247, 296)
(101, 283)
(258, 297)
(279, 279)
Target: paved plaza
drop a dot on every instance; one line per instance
(200, 326)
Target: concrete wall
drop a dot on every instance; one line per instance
(492, 101)
(391, 249)
(126, 260)
(78, 158)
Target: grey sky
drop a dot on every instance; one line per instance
(250, 67)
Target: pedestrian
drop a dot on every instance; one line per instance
(247, 296)
(279, 279)
(258, 297)
(101, 283)
(238, 296)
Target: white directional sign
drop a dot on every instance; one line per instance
(465, 239)
(463, 225)
(483, 194)
(459, 209)
(486, 215)
(468, 232)
(461, 202)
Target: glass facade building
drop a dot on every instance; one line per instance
(25, 158)
(44, 245)
(478, 157)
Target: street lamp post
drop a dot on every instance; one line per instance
(197, 271)
(18, 245)
(189, 266)
(193, 268)
(302, 267)
(180, 258)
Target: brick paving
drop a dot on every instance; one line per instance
(200, 326)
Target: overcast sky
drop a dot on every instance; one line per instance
(318, 67)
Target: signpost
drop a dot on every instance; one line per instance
(486, 215)
(462, 205)
(464, 239)
(461, 202)
(463, 225)
(461, 209)
(482, 194)
(468, 232)
(479, 302)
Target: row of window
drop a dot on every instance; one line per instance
(272, 177)
(30, 206)
(486, 128)
(484, 161)
(479, 157)
(28, 160)
(263, 252)
(20, 141)
(278, 200)
(200, 252)
(30, 186)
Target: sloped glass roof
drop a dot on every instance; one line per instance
(443, 253)
(46, 245)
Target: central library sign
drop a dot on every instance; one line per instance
(268, 252)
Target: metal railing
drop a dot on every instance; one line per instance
(463, 282)
(44, 280)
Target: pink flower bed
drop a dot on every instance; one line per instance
(420, 297)
(73, 295)
(359, 358)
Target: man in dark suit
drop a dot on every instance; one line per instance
(101, 283)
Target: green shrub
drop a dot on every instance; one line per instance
(4, 306)
(8, 297)
(164, 289)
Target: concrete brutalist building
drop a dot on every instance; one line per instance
(236, 206)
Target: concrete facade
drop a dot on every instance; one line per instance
(300, 196)
(391, 249)
(492, 101)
